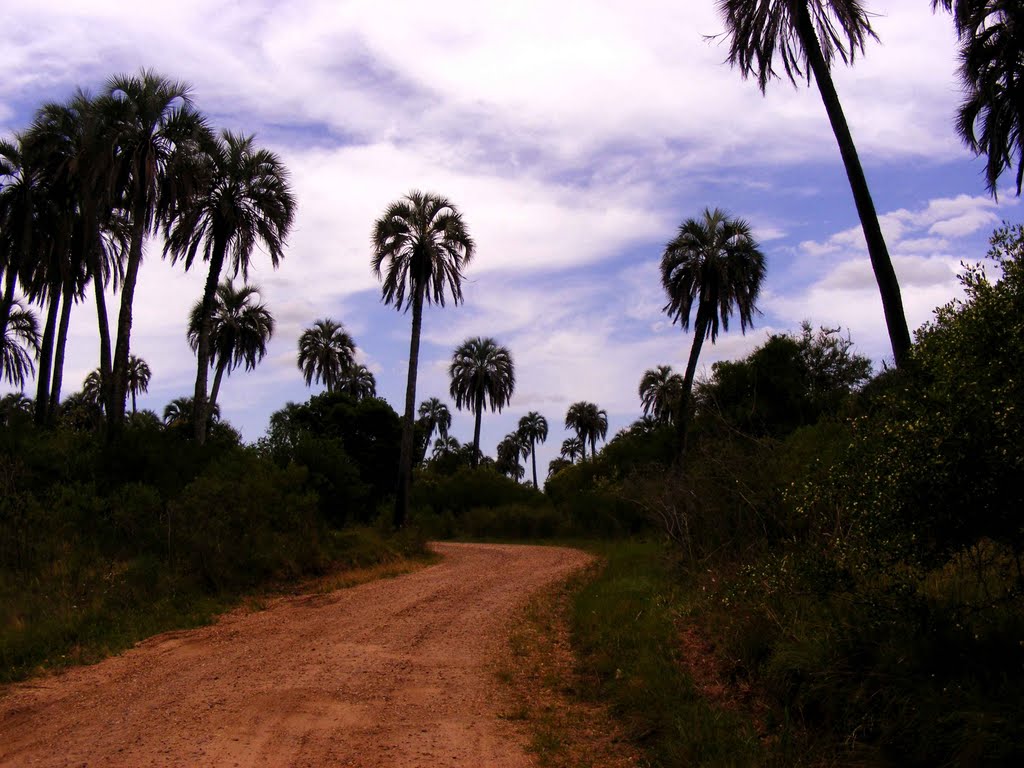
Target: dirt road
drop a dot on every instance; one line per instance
(391, 673)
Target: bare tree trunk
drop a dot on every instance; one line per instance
(92, 258)
(46, 358)
(476, 429)
(221, 367)
(700, 328)
(200, 411)
(885, 275)
(408, 423)
(119, 372)
(7, 300)
(533, 458)
(58, 359)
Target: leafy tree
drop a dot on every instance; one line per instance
(326, 353)
(359, 382)
(482, 373)
(808, 35)
(156, 139)
(245, 199)
(534, 428)
(18, 345)
(589, 422)
(713, 262)
(421, 246)
(240, 329)
(990, 120)
(660, 392)
(572, 447)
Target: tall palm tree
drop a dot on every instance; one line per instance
(534, 428)
(359, 382)
(326, 353)
(17, 221)
(660, 392)
(19, 344)
(139, 377)
(245, 200)
(157, 138)
(590, 424)
(240, 329)
(808, 35)
(572, 448)
(714, 262)
(990, 119)
(482, 372)
(421, 246)
(435, 415)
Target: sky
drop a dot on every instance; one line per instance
(573, 137)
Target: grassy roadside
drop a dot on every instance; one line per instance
(59, 622)
(597, 674)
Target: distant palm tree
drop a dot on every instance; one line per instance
(421, 246)
(660, 393)
(991, 120)
(138, 378)
(444, 446)
(481, 372)
(510, 449)
(92, 388)
(572, 448)
(19, 344)
(556, 465)
(807, 35)
(180, 411)
(156, 136)
(435, 415)
(245, 200)
(589, 422)
(534, 428)
(15, 406)
(714, 262)
(241, 327)
(326, 353)
(359, 382)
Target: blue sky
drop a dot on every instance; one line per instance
(574, 137)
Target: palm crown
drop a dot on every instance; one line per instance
(482, 373)
(326, 353)
(660, 390)
(589, 422)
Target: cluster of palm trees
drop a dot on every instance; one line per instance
(84, 188)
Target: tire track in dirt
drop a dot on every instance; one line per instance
(390, 673)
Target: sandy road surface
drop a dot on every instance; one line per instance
(391, 673)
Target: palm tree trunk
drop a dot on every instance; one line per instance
(476, 429)
(134, 411)
(533, 458)
(45, 359)
(103, 322)
(200, 410)
(221, 367)
(7, 300)
(700, 328)
(62, 339)
(405, 457)
(119, 371)
(885, 275)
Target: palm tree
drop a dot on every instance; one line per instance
(326, 353)
(807, 35)
(15, 406)
(589, 422)
(246, 200)
(359, 382)
(138, 378)
(444, 446)
(92, 387)
(156, 136)
(510, 449)
(241, 328)
(19, 344)
(990, 120)
(17, 222)
(660, 392)
(715, 262)
(180, 411)
(481, 372)
(533, 427)
(421, 246)
(435, 415)
(572, 447)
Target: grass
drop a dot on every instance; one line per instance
(79, 612)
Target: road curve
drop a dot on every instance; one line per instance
(392, 673)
